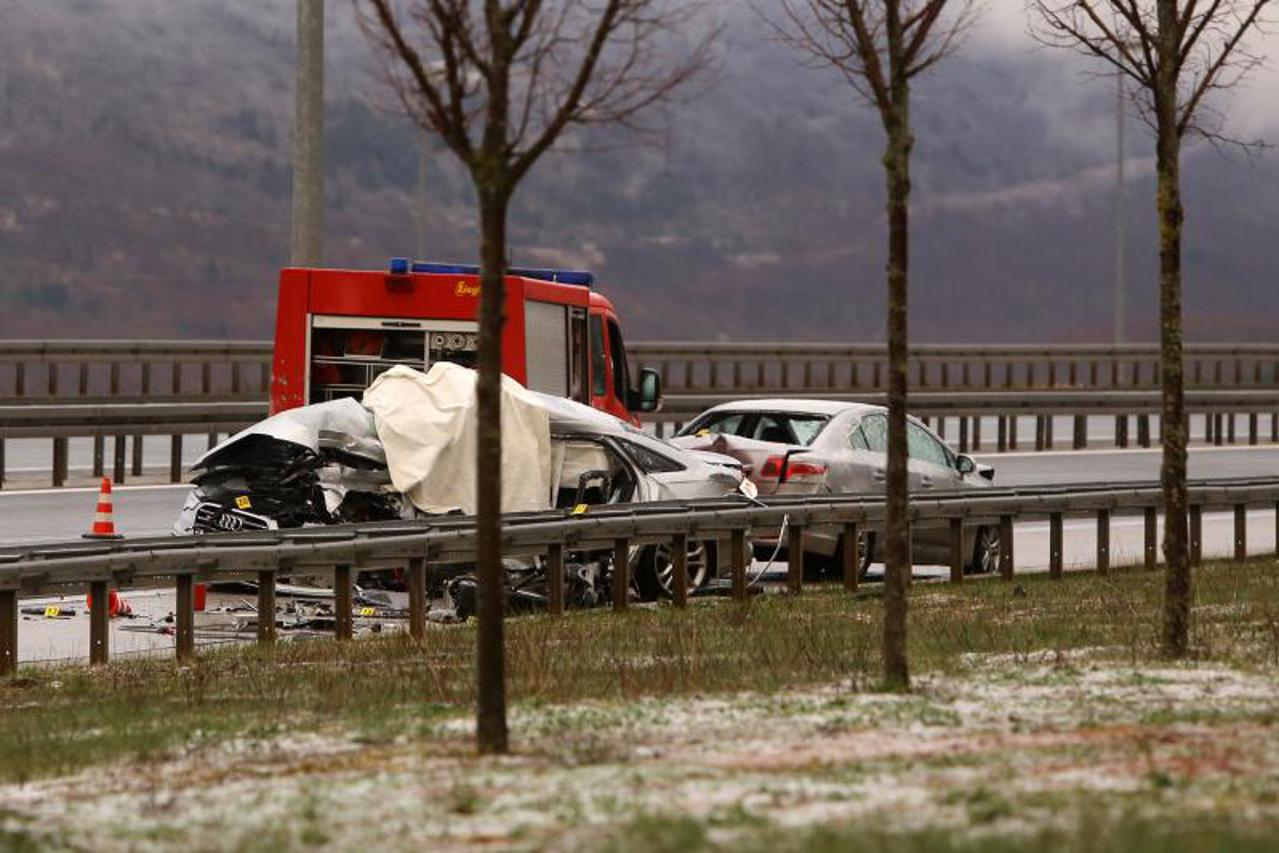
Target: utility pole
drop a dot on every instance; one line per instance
(1121, 220)
(308, 138)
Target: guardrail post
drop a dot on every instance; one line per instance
(1208, 428)
(1274, 427)
(976, 445)
(621, 574)
(84, 378)
(175, 459)
(8, 632)
(1001, 440)
(59, 461)
(137, 456)
(679, 568)
(555, 579)
(1055, 561)
(737, 548)
(1217, 437)
(184, 618)
(1241, 532)
(1048, 432)
(1252, 428)
(99, 616)
(416, 578)
(99, 454)
(117, 459)
(343, 625)
(1121, 430)
(1230, 427)
(795, 558)
(1039, 432)
(1081, 432)
(963, 433)
(266, 605)
(956, 550)
(1143, 430)
(1152, 538)
(852, 555)
(1, 463)
(1012, 432)
(1196, 535)
(1006, 547)
(1103, 541)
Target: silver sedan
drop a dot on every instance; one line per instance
(798, 447)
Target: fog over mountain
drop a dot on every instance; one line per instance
(144, 188)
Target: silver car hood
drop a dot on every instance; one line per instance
(343, 425)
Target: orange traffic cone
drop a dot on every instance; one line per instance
(103, 524)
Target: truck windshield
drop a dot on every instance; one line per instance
(599, 378)
(617, 349)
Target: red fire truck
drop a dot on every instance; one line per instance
(338, 329)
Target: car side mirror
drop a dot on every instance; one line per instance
(965, 464)
(649, 395)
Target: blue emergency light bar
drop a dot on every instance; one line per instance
(581, 278)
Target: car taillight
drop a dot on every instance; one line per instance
(802, 472)
(790, 471)
(772, 468)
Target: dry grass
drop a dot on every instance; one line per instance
(60, 720)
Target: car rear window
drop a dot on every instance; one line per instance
(784, 428)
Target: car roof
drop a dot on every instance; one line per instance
(797, 406)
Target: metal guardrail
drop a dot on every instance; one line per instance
(952, 385)
(796, 368)
(342, 552)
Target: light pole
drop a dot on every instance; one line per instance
(1121, 219)
(423, 158)
(307, 246)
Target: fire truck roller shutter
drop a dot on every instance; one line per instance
(546, 347)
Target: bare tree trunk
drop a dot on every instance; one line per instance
(1176, 626)
(490, 715)
(896, 528)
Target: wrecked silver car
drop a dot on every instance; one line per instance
(407, 450)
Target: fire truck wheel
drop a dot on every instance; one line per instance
(654, 574)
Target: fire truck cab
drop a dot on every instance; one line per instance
(336, 330)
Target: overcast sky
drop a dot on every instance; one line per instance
(1252, 109)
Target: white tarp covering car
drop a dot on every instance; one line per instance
(427, 423)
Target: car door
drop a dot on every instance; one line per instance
(870, 440)
(932, 464)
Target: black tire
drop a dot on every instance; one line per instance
(985, 558)
(654, 572)
(866, 547)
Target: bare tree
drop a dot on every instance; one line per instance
(880, 46)
(499, 82)
(1175, 55)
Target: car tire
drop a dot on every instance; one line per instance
(654, 571)
(985, 552)
(866, 550)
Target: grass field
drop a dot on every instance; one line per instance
(1042, 718)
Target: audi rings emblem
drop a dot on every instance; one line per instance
(229, 523)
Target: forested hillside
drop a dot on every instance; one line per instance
(144, 185)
